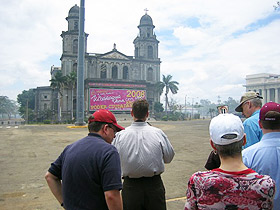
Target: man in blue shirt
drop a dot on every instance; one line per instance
(264, 156)
(250, 105)
(87, 174)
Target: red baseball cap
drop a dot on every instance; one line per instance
(270, 106)
(103, 115)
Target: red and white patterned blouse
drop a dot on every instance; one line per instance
(218, 189)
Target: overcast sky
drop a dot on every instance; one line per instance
(207, 46)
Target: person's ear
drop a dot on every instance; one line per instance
(244, 140)
(147, 115)
(212, 145)
(260, 124)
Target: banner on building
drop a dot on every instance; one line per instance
(113, 99)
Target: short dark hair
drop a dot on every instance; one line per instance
(231, 150)
(95, 126)
(140, 108)
(271, 124)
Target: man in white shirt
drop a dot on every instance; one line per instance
(143, 151)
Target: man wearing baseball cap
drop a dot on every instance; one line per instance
(250, 105)
(232, 185)
(264, 157)
(87, 174)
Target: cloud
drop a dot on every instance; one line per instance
(208, 46)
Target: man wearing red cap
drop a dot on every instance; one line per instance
(264, 156)
(87, 174)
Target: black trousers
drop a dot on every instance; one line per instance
(146, 193)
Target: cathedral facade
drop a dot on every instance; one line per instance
(112, 72)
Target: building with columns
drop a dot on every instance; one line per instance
(109, 70)
(267, 85)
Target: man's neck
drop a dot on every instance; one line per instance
(232, 164)
(269, 130)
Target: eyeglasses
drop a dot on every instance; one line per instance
(113, 127)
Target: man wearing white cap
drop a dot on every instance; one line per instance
(250, 105)
(264, 156)
(232, 185)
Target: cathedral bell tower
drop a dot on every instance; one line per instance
(146, 44)
(70, 42)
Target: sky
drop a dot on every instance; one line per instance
(207, 46)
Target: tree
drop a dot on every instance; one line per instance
(71, 83)
(26, 101)
(8, 107)
(57, 83)
(232, 104)
(158, 107)
(168, 85)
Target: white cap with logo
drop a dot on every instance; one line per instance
(226, 129)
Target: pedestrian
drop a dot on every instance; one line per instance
(232, 185)
(87, 174)
(264, 156)
(250, 105)
(143, 151)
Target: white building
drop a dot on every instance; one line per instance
(267, 85)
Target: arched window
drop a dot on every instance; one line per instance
(45, 106)
(136, 52)
(150, 52)
(103, 73)
(75, 67)
(150, 74)
(115, 72)
(75, 46)
(125, 72)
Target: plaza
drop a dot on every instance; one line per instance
(26, 152)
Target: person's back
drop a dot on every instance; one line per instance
(219, 189)
(264, 157)
(144, 144)
(232, 185)
(83, 187)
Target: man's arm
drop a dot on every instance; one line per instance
(113, 200)
(168, 151)
(55, 186)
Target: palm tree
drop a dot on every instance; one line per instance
(71, 83)
(57, 83)
(169, 86)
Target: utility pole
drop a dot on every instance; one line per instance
(81, 63)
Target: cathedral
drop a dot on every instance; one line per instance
(111, 76)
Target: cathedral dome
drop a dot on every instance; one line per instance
(146, 20)
(74, 11)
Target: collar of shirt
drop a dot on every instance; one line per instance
(256, 112)
(271, 135)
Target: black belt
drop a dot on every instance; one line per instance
(142, 178)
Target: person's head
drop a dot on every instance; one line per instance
(104, 123)
(249, 103)
(140, 109)
(227, 135)
(270, 117)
